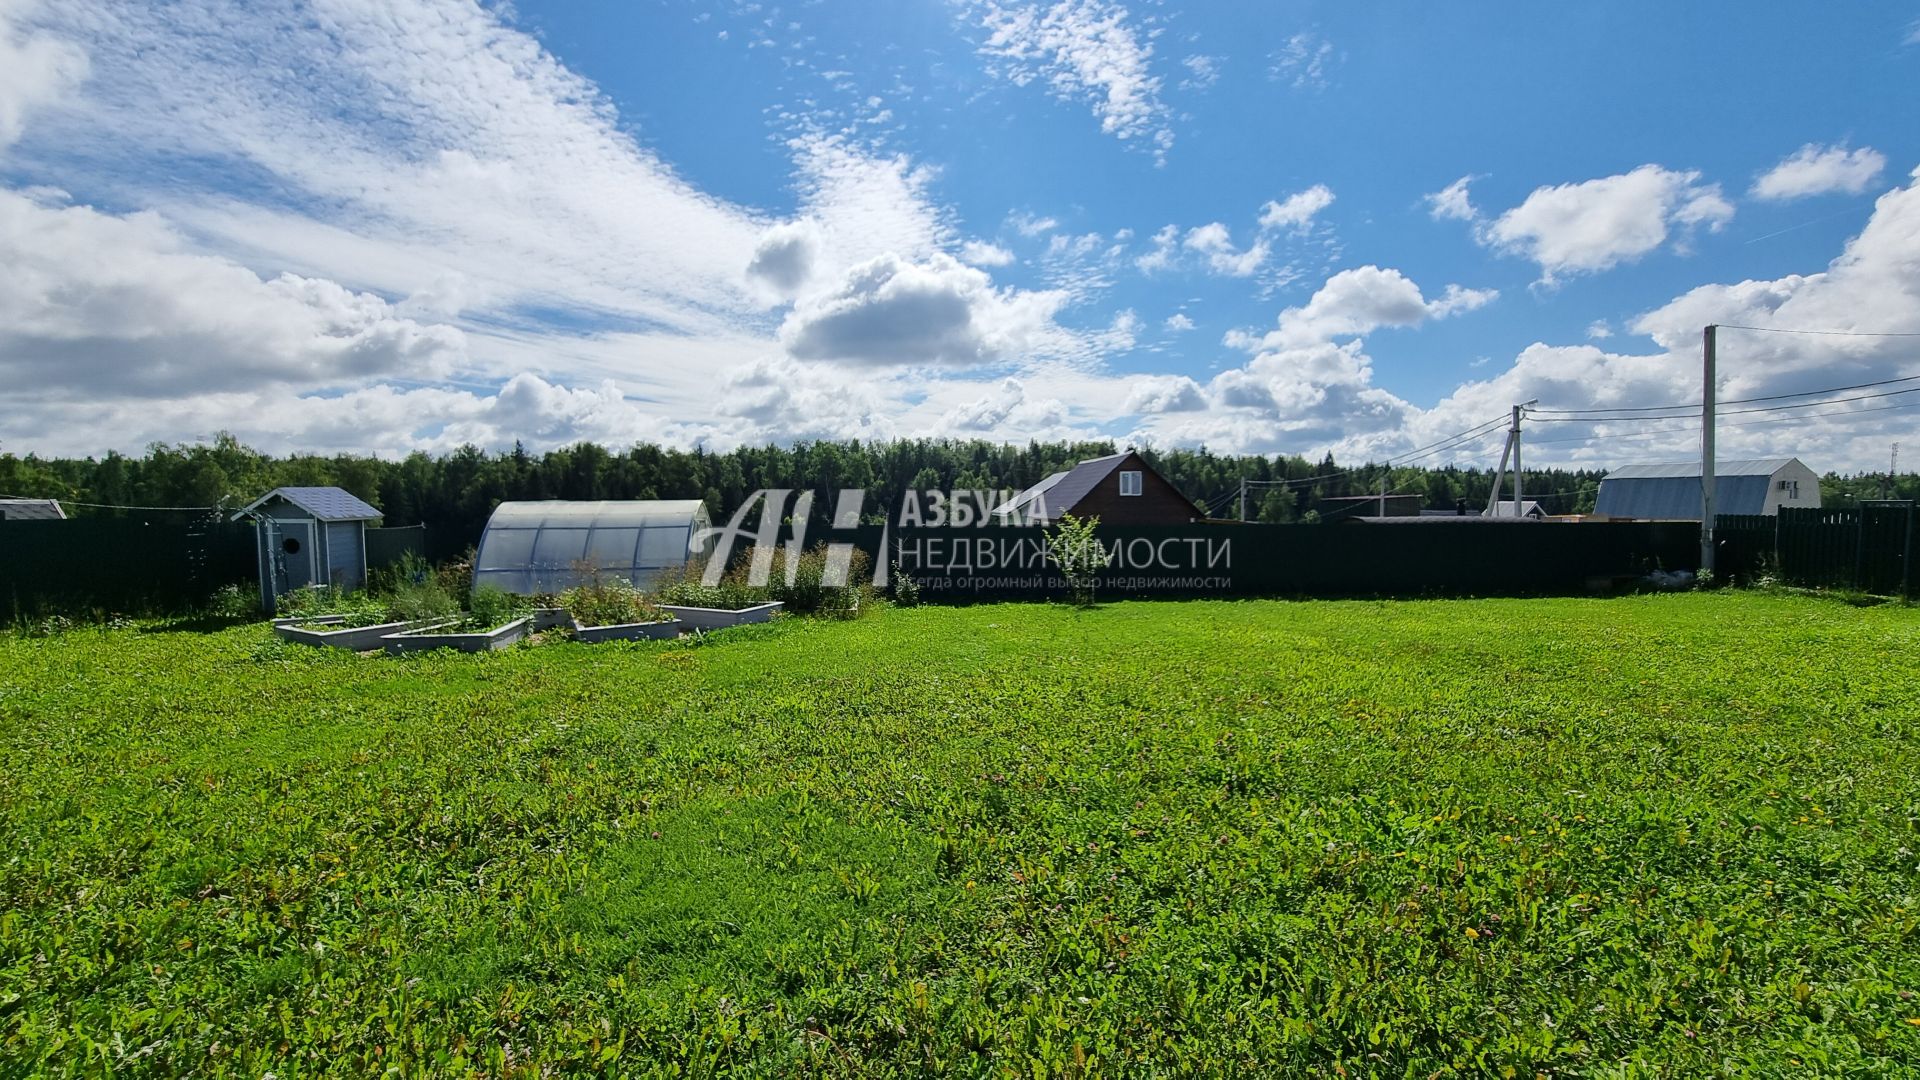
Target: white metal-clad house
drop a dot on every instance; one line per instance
(31, 510)
(1671, 492)
(531, 548)
(309, 536)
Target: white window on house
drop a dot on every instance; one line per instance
(1791, 487)
(1129, 483)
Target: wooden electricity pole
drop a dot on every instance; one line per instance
(1707, 393)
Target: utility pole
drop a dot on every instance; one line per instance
(1893, 466)
(1519, 482)
(1383, 494)
(1707, 393)
(1243, 498)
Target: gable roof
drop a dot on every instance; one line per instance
(1063, 490)
(324, 503)
(1666, 470)
(31, 510)
(1528, 508)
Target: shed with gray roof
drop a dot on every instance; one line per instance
(1119, 489)
(309, 536)
(1671, 491)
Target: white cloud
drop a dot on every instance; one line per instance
(1087, 52)
(1357, 302)
(35, 69)
(1597, 224)
(1598, 330)
(1007, 405)
(1913, 33)
(1163, 253)
(1451, 203)
(1298, 210)
(981, 253)
(94, 303)
(1178, 322)
(891, 312)
(1203, 71)
(1215, 243)
(1821, 170)
(1304, 62)
(1029, 225)
(1156, 394)
(784, 259)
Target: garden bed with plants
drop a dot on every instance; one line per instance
(611, 609)
(493, 620)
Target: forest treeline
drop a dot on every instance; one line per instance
(453, 493)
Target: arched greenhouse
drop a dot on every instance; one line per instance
(546, 547)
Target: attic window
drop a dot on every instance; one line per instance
(1791, 487)
(1130, 483)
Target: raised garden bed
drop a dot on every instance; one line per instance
(443, 636)
(643, 631)
(548, 618)
(703, 618)
(311, 630)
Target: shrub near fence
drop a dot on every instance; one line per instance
(119, 564)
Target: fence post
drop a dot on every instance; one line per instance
(1906, 557)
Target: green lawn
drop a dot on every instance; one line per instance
(1669, 835)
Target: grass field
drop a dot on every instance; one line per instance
(1667, 835)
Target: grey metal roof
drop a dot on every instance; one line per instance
(1722, 469)
(1064, 490)
(324, 503)
(1528, 508)
(1672, 490)
(31, 510)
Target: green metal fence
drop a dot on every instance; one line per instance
(1869, 547)
(385, 547)
(120, 564)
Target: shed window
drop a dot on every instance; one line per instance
(290, 545)
(1130, 483)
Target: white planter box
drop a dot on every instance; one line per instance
(704, 618)
(547, 618)
(640, 631)
(425, 639)
(357, 638)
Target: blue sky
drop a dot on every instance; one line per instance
(349, 225)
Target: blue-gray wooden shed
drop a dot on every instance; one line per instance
(309, 536)
(1671, 491)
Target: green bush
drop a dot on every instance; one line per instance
(610, 601)
(684, 587)
(493, 608)
(809, 594)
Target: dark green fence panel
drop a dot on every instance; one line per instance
(1414, 558)
(385, 547)
(120, 564)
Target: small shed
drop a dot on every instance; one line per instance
(531, 548)
(1119, 489)
(309, 536)
(1528, 509)
(1671, 492)
(31, 510)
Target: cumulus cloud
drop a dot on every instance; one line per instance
(1820, 170)
(941, 312)
(784, 259)
(1214, 243)
(1598, 224)
(97, 303)
(1298, 210)
(1357, 302)
(1178, 322)
(1009, 404)
(1155, 394)
(981, 253)
(1452, 203)
(1088, 52)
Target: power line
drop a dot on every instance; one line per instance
(1735, 401)
(1694, 428)
(1824, 333)
(1733, 412)
(103, 506)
